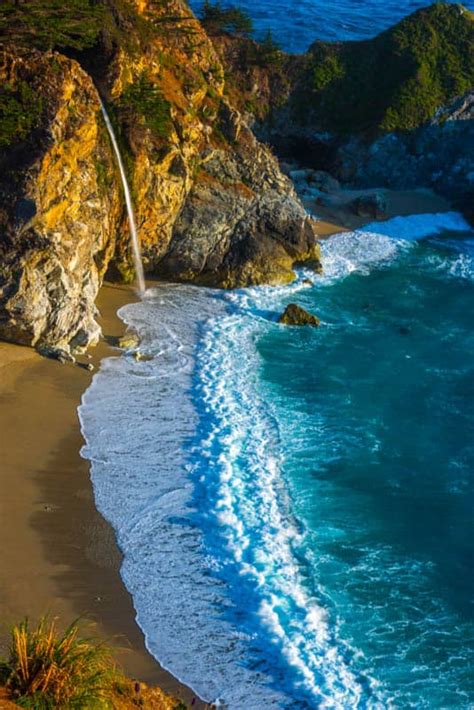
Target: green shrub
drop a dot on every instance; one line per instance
(226, 19)
(146, 100)
(268, 51)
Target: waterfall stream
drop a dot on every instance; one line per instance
(137, 257)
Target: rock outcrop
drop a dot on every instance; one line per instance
(297, 315)
(211, 203)
(242, 222)
(57, 217)
(439, 155)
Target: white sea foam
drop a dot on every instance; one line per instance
(419, 226)
(138, 419)
(356, 251)
(255, 521)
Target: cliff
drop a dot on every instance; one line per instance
(211, 203)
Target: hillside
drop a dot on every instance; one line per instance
(398, 80)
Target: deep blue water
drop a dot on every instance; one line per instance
(296, 24)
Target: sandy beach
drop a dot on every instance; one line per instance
(58, 555)
(335, 209)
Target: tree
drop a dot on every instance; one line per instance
(226, 19)
(269, 50)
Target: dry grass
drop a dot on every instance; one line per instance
(46, 669)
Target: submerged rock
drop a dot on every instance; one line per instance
(296, 315)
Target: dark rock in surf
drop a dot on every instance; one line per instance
(296, 315)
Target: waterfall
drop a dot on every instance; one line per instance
(137, 257)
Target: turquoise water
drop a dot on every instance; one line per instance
(338, 472)
(295, 505)
(376, 418)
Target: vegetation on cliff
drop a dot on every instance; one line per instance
(46, 24)
(146, 100)
(75, 25)
(20, 110)
(396, 81)
(217, 18)
(47, 669)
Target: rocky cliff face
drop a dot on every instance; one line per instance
(242, 222)
(439, 155)
(57, 215)
(211, 203)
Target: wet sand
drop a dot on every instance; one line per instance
(58, 555)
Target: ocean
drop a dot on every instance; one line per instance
(295, 505)
(296, 24)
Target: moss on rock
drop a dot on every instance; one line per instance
(20, 110)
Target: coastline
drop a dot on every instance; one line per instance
(59, 556)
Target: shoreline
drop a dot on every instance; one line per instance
(59, 556)
(336, 209)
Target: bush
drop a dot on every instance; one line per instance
(269, 51)
(231, 19)
(20, 110)
(46, 670)
(47, 24)
(146, 100)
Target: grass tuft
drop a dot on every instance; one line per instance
(46, 669)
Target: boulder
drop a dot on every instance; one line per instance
(324, 181)
(59, 354)
(372, 205)
(296, 315)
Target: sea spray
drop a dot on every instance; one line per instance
(137, 257)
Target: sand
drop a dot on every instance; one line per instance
(58, 555)
(335, 215)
